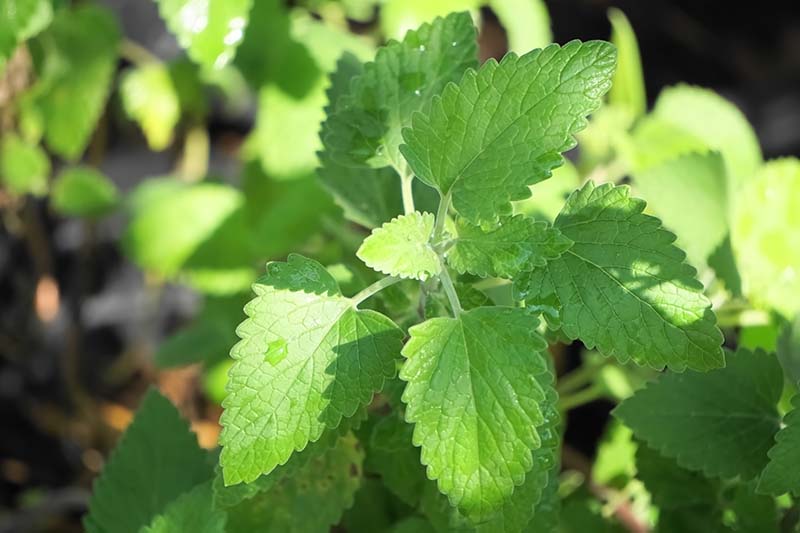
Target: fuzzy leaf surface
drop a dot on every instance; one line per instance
(623, 286)
(405, 76)
(503, 127)
(473, 396)
(305, 361)
(731, 411)
(402, 247)
(311, 500)
(516, 244)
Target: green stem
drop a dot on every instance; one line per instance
(407, 183)
(136, 53)
(374, 289)
(406, 186)
(193, 165)
(577, 378)
(449, 288)
(581, 397)
(441, 216)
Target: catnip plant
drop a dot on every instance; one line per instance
(436, 377)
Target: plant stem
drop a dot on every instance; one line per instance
(441, 216)
(136, 53)
(449, 289)
(374, 289)
(193, 165)
(407, 186)
(581, 397)
(408, 193)
(577, 378)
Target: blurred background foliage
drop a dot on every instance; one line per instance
(154, 155)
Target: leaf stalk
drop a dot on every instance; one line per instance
(374, 289)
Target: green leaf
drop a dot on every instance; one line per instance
(623, 286)
(369, 196)
(527, 23)
(698, 519)
(198, 231)
(503, 128)
(288, 152)
(336, 357)
(551, 193)
(207, 339)
(83, 192)
(788, 348)
(24, 168)
(627, 90)
(689, 194)
(672, 486)
(300, 273)
(296, 96)
(21, 20)
(765, 234)
(581, 513)
(614, 461)
(269, 53)
(781, 474)
(156, 461)
(412, 524)
(310, 501)
(730, 410)
(715, 121)
(230, 496)
(209, 30)
(514, 245)
(80, 59)
(531, 503)
(283, 215)
(170, 220)
(150, 98)
(366, 125)
(753, 513)
(392, 455)
(190, 512)
(472, 395)
(373, 509)
(547, 511)
(656, 141)
(534, 505)
(402, 247)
